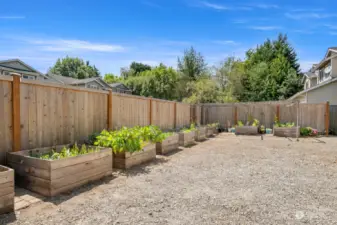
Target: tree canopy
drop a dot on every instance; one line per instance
(192, 65)
(75, 68)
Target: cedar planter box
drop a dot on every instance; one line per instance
(209, 131)
(169, 144)
(200, 134)
(246, 130)
(186, 139)
(6, 190)
(286, 131)
(126, 160)
(52, 177)
(215, 131)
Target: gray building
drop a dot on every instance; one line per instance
(320, 84)
(120, 88)
(17, 66)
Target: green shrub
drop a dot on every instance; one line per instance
(288, 125)
(255, 123)
(65, 152)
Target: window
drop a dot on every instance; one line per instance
(93, 86)
(28, 77)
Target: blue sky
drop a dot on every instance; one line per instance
(111, 34)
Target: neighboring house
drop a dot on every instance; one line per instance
(120, 88)
(94, 82)
(320, 83)
(17, 66)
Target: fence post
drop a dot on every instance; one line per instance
(327, 118)
(235, 115)
(175, 115)
(16, 123)
(110, 126)
(278, 112)
(150, 110)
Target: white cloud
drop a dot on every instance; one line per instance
(12, 17)
(57, 45)
(240, 21)
(213, 6)
(299, 16)
(225, 42)
(266, 6)
(264, 28)
(332, 27)
(151, 4)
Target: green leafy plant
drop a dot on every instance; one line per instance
(288, 125)
(308, 131)
(129, 139)
(240, 124)
(189, 129)
(255, 123)
(214, 125)
(65, 152)
(262, 129)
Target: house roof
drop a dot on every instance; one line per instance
(32, 70)
(313, 88)
(310, 74)
(70, 80)
(116, 84)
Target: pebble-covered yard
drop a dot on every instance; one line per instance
(225, 180)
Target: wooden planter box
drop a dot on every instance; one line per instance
(215, 131)
(200, 134)
(246, 130)
(127, 160)
(209, 131)
(186, 139)
(286, 131)
(6, 190)
(169, 144)
(52, 177)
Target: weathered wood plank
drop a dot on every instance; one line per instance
(168, 145)
(186, 139)
(127, 160)
(85, 166)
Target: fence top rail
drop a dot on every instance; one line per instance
(141, 97)
(6, 78)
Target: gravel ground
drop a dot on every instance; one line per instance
(225, 180)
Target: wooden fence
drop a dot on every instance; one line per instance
(333, 119)
(38, 114)
(313, 115)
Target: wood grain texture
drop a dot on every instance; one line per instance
(200, 134)
(168, 145)
(51, 177)
(286, 132)
(246, 130)
(6, 132)
(186, 139)
(127, 160)
(6, 190)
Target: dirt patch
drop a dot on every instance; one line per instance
(225, 180)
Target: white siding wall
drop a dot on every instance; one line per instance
(334, 67)
(325, 93)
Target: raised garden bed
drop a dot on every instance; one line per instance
(186, 138)
(200, 134)
(126, 160)
(6, 190)
(246, 130)
(209, 131)
(286, 131)
(52, 177)
(168, 145)
(215, 131)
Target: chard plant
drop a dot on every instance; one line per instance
(65, 152)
